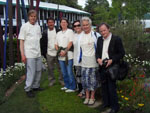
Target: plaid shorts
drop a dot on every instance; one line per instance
(89, 81)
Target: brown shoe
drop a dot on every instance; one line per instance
(62, 83)
(52, 82)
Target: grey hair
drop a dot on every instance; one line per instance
(31, 12)
(86, 19)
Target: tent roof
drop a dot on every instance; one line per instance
(52, 6)
(147, 16)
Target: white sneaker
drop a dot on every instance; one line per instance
(91, 101)
(69, 91)
(86, 101)
(63, 88)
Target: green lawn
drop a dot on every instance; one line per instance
(51, 100)
(19, 103)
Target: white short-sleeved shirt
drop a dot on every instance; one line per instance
(76, 52)
(62, 40)
(51, 42)
(88, 51)
(31, 35)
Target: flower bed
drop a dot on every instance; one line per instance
(134, 92)
(9, 77)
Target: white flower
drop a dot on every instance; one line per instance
(127, 60)
(129, 55)
(1, 74)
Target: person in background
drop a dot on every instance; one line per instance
(49, 52)
(77, 66)
(63, 45)
(89, 65)
(29, 36)
(109, 47)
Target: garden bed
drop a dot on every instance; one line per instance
(9, 77)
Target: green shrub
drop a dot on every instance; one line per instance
(14, 52)
(135, 41)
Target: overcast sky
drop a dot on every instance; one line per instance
(82, 2)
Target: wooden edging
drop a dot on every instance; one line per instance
(12, 88)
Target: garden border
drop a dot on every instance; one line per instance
(13, 87)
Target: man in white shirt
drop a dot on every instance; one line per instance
(49, 52)
(30, 34)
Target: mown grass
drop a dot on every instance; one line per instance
(51, 100)
(19, 103)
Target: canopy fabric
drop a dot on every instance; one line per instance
(51, 6)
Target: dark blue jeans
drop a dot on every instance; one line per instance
(68, 76)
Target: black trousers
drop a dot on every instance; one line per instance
(109, 92)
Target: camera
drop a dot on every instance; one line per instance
(105, 62)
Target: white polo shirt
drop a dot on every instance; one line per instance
(62, 40)
(31, 35)
(88, 51)
(51, 42)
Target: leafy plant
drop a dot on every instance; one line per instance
(9, 77)
(135, 41)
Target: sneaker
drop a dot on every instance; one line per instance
(30, 94)
(86, 101)
(69, 91)
(63, 88)
(91, 101)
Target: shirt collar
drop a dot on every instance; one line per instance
(51, 30)
(108, 38)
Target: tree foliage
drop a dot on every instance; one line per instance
(120, 10)
(131, 9)
(99, 10)
(135, 41)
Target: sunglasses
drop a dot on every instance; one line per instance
(77, 25)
